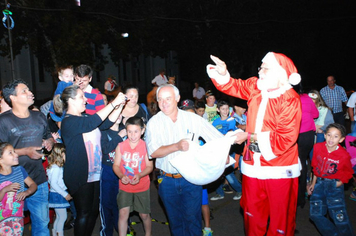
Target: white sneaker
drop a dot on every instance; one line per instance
(237, 196)
(217, 197)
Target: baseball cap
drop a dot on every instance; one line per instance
(187, 104)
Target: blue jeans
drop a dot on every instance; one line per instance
(109, 212)
(72, 209)
(235, 184)
(352, 126)
(37, 204)
(328, 198)
(182, 201)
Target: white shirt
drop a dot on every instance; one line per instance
(107, 86)
(160, 80)
(352, 102)
(161, 131)
(55, 180)
(198, 92)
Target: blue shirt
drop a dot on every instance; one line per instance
(240, 120)
(334, 97)
(18, 175)
(225, 126)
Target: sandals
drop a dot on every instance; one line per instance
(352, 197)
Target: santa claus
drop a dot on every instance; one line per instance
(271, 165)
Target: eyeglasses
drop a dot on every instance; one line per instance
(78, 79)
(262, 68)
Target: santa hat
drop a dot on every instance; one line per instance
(281, 60)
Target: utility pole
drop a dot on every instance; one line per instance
(9, 27)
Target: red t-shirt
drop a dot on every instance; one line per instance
(133, 162)
(333, 165)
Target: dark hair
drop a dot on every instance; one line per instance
(353, 143)
(135, 121)
(10, 89)
(130, 86)
(60, 101)
(240, 103)
(222, 103)
(2, 148)
(62, 68)
(341, 128)
(83, 70)
(200, 104)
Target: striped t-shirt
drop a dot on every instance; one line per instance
(95, 101)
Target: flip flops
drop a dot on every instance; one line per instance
(352, 197)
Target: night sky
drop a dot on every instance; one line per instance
(317, 35)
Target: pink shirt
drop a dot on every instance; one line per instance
(351, 149)
(309, 113)
(133, 162)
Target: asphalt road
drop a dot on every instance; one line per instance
(227, 215)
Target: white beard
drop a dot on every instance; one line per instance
(266, 82)
(272, 80)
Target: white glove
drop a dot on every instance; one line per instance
(218, 72)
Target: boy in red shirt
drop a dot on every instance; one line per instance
(332, 168)
(132, 166)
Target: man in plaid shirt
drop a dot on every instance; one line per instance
(333, 96)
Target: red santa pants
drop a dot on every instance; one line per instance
(275, 199)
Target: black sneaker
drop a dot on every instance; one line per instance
(69, 224)
(227, 189)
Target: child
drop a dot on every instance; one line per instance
(210, 108)
(65, 75)
(331, 167)
(132, 166)
(200, 108)
(350, 143)
(188, 105)
(224, 124)
(12, 191)
(239, 115)
(58, 196)
(109, 182)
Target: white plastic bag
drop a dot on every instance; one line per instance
(202, 165)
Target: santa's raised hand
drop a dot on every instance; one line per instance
(218, 72)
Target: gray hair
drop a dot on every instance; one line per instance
(176, 90)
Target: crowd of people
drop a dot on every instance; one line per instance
(101, 150)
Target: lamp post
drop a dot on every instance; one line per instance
(9, 27)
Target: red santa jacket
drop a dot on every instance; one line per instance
(275, 116)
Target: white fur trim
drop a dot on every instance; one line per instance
(276, 93)
(265, 145)
(270, 59)
(294, 79)
(261, 114)
(213, 74)
(270, 172)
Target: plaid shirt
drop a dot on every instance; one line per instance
(334, 97)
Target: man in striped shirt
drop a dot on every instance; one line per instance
(95, 102)
(333, 96)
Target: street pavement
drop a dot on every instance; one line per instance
(227, 213)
